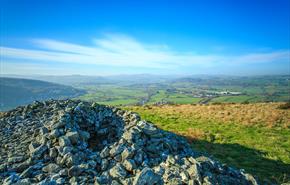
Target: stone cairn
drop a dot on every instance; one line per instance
(75, 142)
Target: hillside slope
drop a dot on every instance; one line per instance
(254, 137)
(15, 92)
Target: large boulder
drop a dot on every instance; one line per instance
(147, 176)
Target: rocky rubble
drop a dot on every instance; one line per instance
(74, 142)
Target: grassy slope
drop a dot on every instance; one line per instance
(254, 137)
(236, 99)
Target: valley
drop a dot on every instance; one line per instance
(189, 90)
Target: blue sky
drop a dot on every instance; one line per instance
(104, 37)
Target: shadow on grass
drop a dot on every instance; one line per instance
(251, 160)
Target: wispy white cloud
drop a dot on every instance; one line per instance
(122, 50)
(263, 57)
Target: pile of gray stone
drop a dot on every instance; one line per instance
(74, 142)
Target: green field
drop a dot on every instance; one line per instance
(232, 134)
(173, 98)
(191, 91)
(113, 95)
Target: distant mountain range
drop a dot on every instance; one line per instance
(79, 80)
(15, 92)
(133, 79)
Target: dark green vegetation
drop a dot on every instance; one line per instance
(254, 136)
(15, 92)
(197, 89)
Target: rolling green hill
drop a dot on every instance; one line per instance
(15, 92)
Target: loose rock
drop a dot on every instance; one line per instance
(74, 142)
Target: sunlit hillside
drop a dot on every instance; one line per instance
(254, 137)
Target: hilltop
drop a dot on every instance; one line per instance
(65, 141)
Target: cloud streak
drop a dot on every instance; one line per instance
(120, 50)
